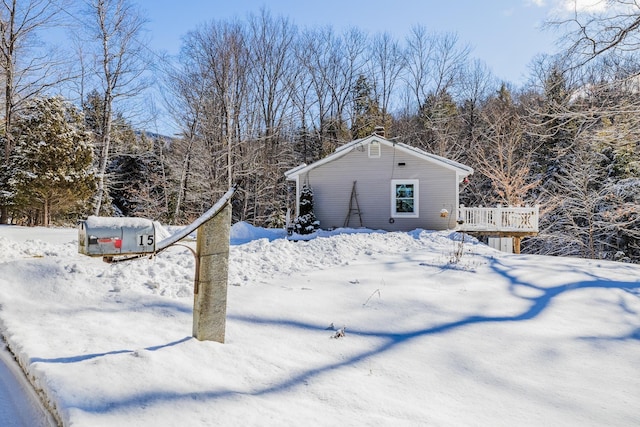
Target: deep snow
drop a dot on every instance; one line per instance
(493, 339)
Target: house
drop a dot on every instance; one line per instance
(377, 183)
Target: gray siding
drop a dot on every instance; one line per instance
(332, 183)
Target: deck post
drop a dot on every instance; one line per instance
(516, 244)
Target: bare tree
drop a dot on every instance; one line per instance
(572, 225)
(503, 154)
(274, 68)
(211, 86)
(272, 80)
(309, 144)
(434, 67)
(318, 54)
(334, 63)
(476, 84)
(220, 56)
(117, 67)
(434, 63)
(608, 28)
(585, 123)
(587, 212)
(182, 95)
(419, 53)
(386, 64)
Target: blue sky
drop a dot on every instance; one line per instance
(505, 34)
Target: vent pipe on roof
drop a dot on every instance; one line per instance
(379, 130)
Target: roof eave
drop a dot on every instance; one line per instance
(291, 174)
(459, 168)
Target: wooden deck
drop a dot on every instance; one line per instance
(514, 222)
(505, 220)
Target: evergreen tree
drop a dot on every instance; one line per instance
(556, 128)
(51, 165)
(138, 180)
(306, 223)
(367, 112)
(308, 147)
(365, 109)
(439, 125)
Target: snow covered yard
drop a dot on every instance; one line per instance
(491, 340)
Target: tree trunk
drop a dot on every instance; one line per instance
(46, 212)
(106, 142)
(8, 68)
(184, 176)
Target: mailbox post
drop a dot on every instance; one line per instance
(210, 291)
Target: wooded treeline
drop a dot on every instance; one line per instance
(255, 97)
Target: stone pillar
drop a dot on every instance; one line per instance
(212, 272)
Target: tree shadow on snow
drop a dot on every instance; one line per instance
(81, 358)
(543, 296)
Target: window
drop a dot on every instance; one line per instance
(374, 149)
(404, 198)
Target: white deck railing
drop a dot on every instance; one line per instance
(499, 219)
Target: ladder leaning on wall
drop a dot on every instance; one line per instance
(354, 206)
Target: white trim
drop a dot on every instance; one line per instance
(297, 195)
(415, 196)
(460, 169)
(293, 172)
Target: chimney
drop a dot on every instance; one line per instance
(379, 130)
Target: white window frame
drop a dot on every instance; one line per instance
(377, 151)
(415, 197)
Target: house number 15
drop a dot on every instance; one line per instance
(145, 240)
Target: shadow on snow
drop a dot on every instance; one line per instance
(390, 339)
(75, 359)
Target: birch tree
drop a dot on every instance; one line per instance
(114, 30)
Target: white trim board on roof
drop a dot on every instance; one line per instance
(459, 168)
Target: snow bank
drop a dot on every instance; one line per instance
(243, 232)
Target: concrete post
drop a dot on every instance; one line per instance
(210, 293)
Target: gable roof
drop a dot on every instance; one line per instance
(459, 168)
